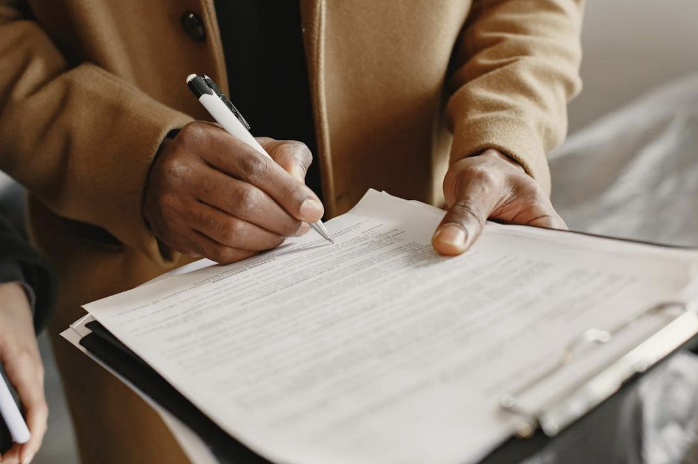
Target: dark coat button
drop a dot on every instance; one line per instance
(193, 26)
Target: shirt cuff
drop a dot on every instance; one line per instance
(11, 271)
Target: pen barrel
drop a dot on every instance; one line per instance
(230, 123)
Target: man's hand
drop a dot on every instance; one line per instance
(211, 195)
(490, 185)
(19, 355)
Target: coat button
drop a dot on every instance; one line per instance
(193, 26)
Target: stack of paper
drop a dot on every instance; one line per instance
(377, 350)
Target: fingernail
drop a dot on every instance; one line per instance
(452, 236)
(303, 229)
(28, 460)
(311, 210)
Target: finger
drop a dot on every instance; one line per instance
(246, 202)
(295, 157)
(303, 229)
(199, 244)
(231, 231)
(235, 158)
(476, 195)
(11, 456)
(37, 421)
(26, 373)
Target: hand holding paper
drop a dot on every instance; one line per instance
(19, 355)
(489, 186)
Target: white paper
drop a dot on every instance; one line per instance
(195, 449)
(378, 350)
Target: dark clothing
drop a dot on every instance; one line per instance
(11, 271)
(267, 72)
(19, 262)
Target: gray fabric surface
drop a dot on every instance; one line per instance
(634, 174)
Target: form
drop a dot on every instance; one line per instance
(378, 350)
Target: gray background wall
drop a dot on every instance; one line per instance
(629, 47)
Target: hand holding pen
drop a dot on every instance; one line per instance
(225, 113)
(213, 195)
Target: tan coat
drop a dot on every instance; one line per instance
(89, 88)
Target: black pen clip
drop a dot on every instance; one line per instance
(212, 85)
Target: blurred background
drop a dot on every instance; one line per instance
(630, 47)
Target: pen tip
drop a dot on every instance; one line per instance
(190, 77)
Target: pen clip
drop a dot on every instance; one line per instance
(212, 85)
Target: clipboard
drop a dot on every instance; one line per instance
(561, 411)
(536, 428)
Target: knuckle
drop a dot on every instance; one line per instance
(246, 198)
(225, 255)
(301, 152)
(484, 176)
(253, 167)
(172, 168)
(191, 133)
(232, 230)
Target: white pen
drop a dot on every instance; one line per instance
(11, 415)
(225, 113)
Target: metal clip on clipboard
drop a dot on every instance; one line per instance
(576, 401)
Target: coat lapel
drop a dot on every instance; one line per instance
(313, 14)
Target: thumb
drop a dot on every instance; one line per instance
(466, 218)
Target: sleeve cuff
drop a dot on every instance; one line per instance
(508, 135)
(11, 271)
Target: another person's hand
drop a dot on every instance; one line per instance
(19, 354)
(209, 194)
(490, 185)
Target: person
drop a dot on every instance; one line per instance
(26, 298)
(452, 101)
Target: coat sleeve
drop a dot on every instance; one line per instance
(514, 69)
(80, 139)
(19, 262)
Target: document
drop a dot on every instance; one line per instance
(378, 350)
